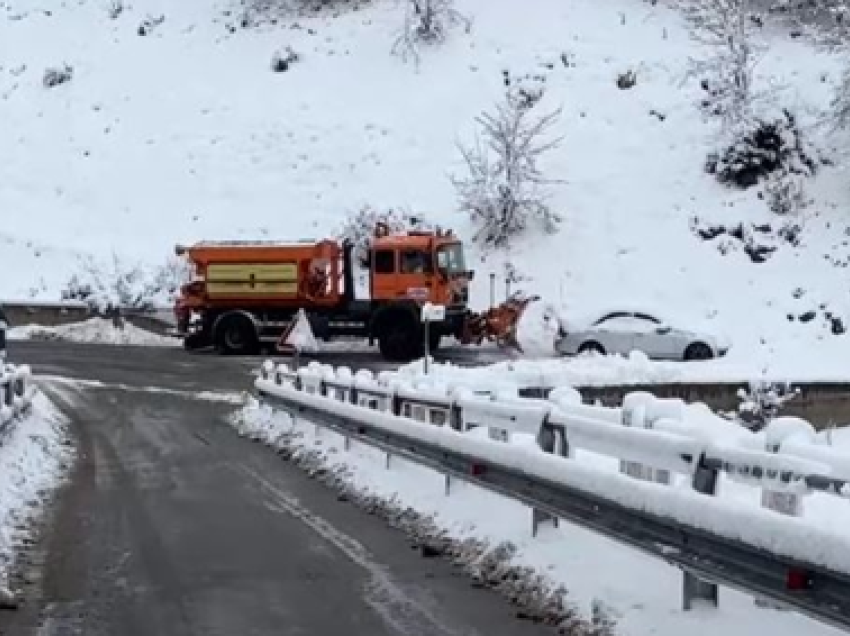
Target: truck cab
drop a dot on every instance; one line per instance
(420, 266)
(408, 270)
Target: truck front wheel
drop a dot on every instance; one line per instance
(237, 335)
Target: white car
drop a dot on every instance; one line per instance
(621, 332)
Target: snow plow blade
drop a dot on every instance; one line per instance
(498, 324)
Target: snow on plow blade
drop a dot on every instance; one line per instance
(498, 324)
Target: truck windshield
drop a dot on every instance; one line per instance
(450, 258)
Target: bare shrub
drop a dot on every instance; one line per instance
(427, 22)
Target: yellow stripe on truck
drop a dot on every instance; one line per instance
(247, 272)
(247, 289)
(248, 279)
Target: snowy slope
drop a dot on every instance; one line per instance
(186, 134)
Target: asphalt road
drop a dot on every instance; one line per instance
(173, 525)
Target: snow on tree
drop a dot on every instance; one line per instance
(427, 22)
(725, 28)
(108, 288)
(505, 190)
(360, 227)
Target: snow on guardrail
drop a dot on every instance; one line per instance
(16, 392)
(648, 436)
(730, 518)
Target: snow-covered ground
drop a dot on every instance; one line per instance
(93, 331)
(641, 594)
(186, 134)
(34, 457)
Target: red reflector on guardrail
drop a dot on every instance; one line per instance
(798, 580)
(477, 469)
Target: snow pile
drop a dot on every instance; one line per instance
(174, 129)
(613, 370)
(34, 456)
(568, 570)
(94, 331)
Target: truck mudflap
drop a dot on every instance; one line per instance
(498, 324)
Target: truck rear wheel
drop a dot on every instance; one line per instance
(237, 335)
(400, 340)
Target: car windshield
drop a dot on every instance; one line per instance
(450, 258)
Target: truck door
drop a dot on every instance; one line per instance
(384, 286)
(416, 274)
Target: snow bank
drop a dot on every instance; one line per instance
(34, 455)
(94, 331)
(610, 370)
(641, 595)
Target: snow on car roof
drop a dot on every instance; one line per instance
(575, 318)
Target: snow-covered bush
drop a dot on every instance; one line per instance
(109, 287)
(725, 28)
(524, 91)
(762, 402)
(115, 9)
(149, 24)
(258, 12)
(359, 228)
(785, 194)
(282, 60)
(504, 190)
(776, 148)
(427, 22)
(56, 75)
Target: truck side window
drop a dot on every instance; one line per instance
(384, 262)
(416, 262)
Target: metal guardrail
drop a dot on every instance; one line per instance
(361, 409)
(16, 393)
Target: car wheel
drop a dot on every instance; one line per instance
(591, 347)
(698, 351)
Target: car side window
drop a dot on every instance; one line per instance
(384, 262)
(648, 318)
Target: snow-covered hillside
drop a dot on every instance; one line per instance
(185, 133)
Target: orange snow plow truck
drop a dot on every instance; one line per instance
(244, 295)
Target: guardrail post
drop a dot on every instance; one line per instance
(790, 504)
(640, 410)
(551, 441)
(694, 588)
(20, 387)
(8, 393)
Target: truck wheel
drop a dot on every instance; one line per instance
(237, 335)
(400, 341)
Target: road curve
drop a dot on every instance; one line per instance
(173, 525)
